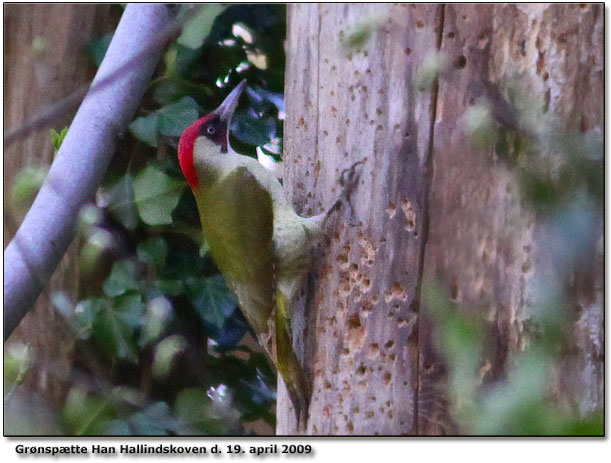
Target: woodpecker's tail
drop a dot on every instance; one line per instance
(288, 364)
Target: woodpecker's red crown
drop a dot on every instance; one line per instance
(210, 126)
(214, 126)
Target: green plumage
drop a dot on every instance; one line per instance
(262, 247)
(259, 243)
(237, 220)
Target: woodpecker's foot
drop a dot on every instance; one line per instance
(349, 179)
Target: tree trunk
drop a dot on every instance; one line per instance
(349, 102)
(484, 245)
(390, 85)
(45, 60)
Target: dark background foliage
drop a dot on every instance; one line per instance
(162, 346)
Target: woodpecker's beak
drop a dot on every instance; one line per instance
(227, 107)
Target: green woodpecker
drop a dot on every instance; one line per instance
(257, 240)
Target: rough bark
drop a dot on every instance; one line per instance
(432, 207)
(347, 103)
(32, 81)
(485, 246)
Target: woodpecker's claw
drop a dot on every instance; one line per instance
(348, 180)
(350, 176)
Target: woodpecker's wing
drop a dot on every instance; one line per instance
(237, 220)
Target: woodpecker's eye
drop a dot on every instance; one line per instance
(211, 130)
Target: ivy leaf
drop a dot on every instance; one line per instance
(165, 353)
(25, 187)
(212, 299)
(198, 27)
(156, 195)
(178, 61)
(155, 420)
(192, 406)
(18, 359)
(197, 415)
(96, 48)
(170, 120)
(85, 314)
(119, 200)
(264, 101)
(115, 325)
(167, 91)
(118, 428)
(121, 279)
(175, 118)
(153, 251)
(146, 129)
(84, 414)
(252, 130)
(158, 311)
(233, 330)
(130, 310)
(170, 287)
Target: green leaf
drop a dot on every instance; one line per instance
(146, 129)
(96, 48)
(122, 279)
(175, 118)
(192, 405)
(25, 187)
(212, 299)
(592, 425)
(17, 362)
(118, 428)
(165, 352)
(252, 130)
(115, 325)
(155, 420)
(58, 138)
(157, 313)
(198, 27)
(170, 121)
(178, 61)
(130, 310)
(85, 414)
(99, 241)
(171, 287)
(479, 126)
(90, 216)
(156, 195)
(197, 414)
(153, 251)
(85, 314)
(167, 91)
(119, 200)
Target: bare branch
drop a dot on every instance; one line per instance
(76, 172)
(66, 104)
